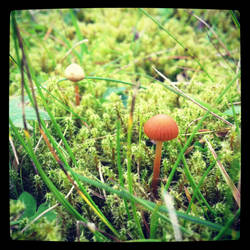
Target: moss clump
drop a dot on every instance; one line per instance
(124, 44)
(42, 230)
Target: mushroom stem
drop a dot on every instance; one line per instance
(77, 94)
(157, 163)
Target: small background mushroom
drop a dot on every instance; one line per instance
(75, 73)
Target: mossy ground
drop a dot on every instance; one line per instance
(124, 44)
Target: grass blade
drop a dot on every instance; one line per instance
(120, 171)
(198, 186)
(13, 24)
(193, 185)
(61, 199)
(172, 215)
(77, 44)
(194, 101)
(177, 41)
(189, 140)
(228, 224)
(184, 148)
(236, 22)
(46, 134)
(129, 158)
(78, 33)
(123, 193)
(82, 192)
(234, 190)
(154, 222)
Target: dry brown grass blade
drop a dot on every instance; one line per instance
(234, 190)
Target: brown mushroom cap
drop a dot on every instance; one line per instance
(74, 72)
(161, 128)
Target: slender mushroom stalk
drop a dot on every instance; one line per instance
(157, 163)
(75, 73)
(159, 128)
(77, 94)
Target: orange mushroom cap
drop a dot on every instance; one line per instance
(161, 128)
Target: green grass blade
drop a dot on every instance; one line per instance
(192, 183)
(177, 41)
(195, 193)
(226, 177)
(89, 200)
(129, 174)
(120, 171)
(235, 119)
(229, 85)
(28, 148)
(78, 33)
(144, 240)
(228, 224)
(14, 35)
(161, 26)
(111, 80)
(58, 130)
(154, 222)
(118, 146)
(123, 193)
(180, 155)
(189, 140)
(236, 22)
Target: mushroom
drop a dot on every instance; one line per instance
(159, 128)
(75, 73)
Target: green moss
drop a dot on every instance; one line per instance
(119, 44)
(42, 230)
(16, 209)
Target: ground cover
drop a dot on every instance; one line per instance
(83, 172)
